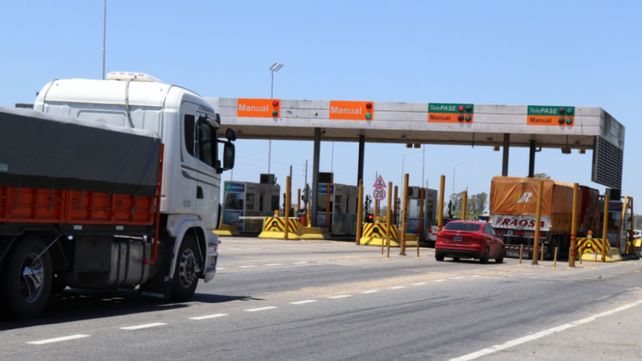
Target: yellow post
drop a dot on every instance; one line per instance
(328, 213)
(605, 226)
(440, 206)
(288, 201)
(555, 258)
(420, 227)
(464, 205)
(538, 219)
(389, 218)
(359, 222)
(298, 200)
(376, 211)
(308, 214)
(404, 215)
(395, 212)
(521, 252)
(572, 253)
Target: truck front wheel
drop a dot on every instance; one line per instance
(27, 278)
(188, 267)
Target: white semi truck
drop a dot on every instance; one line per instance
(106, 184)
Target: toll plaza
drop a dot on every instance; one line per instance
(336, 206)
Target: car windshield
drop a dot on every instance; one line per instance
(461, 226)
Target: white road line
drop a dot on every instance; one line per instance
(145, 325)
(221, 268)
(476, 276)
(369, 292)
(207, 317)
(274, 264)
(339, 296)
(300, 262)
(418, 283)
(396, 287)
(260, 309)
(544, 333)
(248, 266)
(303, 302)
(440, 280)
(57, 339)
(459, 278)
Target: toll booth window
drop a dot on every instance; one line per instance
(275, 203)
(234, 201)
(460, 226)
(249, 201)
(189, 133)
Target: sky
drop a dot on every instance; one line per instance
(582, 53)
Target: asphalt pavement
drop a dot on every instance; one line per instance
(321, 300)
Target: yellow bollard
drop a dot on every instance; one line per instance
(464, 205)
(538, 219)
(395, 212)
(308, 214)
(541, 253)
(288, 201)
(376, 211)
(389, 219)
(328, 221)
(440, 206)
(555, 258)
(572, 253)
(404, 215)
(605, 225)
(359, 222)
(521, 252)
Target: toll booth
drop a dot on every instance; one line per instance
(414, 205)
(342, 200)
(246, 203)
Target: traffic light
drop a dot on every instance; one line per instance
(276, 108)
(465, 112)
(368, 201)
(369, 107)
(566, 116)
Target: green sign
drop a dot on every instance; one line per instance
(550, 110)
(450, 108)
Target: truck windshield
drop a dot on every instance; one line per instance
(461, 226)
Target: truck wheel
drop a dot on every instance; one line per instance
(27, 280)
(188, 267)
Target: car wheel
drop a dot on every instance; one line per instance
(499, 259)
(188, 268)
(455, 259)
(484, 258)
(439, 257)
(27, 278)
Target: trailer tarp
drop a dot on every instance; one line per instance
(44, 151)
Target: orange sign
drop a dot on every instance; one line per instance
(351, 110)
(258, 108)
(449, 118)
(550, 120)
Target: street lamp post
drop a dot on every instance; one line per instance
(403, 164)
(454, 174)
(273, 69)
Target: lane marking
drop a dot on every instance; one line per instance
(476, 276)
(258, 309)
(274, 264)
(303, 302)
(369, 292)
(248, 266)
(543, 333)
(57, 339)
(207, 317)
(396, 287)
(339, 296)
(221, 268)
(145, 325)
(300, 262)
(418, 283)
(440, 280)
(459, 278)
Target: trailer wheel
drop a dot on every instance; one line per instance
(188, 268)
(27, 279)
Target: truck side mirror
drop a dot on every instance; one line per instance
(230, 134)
(228, 156)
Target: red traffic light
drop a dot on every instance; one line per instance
(368, 105)
(275, 103)
(460, 108)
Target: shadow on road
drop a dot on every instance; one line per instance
(75, 305)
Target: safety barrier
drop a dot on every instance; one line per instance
(227, 230)
(374, 234)
(591, 249)
(274, 227)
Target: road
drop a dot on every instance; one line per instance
(317, 300)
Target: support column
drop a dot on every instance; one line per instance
(531, 158)
(505, 150)
(315, 174)
(362, 146)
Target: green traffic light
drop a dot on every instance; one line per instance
(569, 120)
(469, 109)
(275, 113)
(368, 116)
(469, 118)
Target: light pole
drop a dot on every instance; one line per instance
(403, 164)
(273, 69)
(102, 76)
(454, 174)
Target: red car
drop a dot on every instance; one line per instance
(469, 239)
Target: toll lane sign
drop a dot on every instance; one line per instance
(351, 110)
(450, 113)
(550, 115)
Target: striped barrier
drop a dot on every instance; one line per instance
(274, 227)
(374, 234)
(591, 249)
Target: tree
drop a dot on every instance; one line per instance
(541, 176)
(475, 206)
